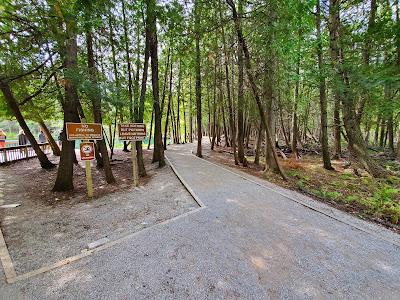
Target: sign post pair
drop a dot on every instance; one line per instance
(93, 131)
(133, 132)
(85, 132)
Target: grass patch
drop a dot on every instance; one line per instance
(351, 198)
(383, 203)
(332, 195)
(365, 195)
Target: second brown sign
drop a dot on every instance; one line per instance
(132, 131)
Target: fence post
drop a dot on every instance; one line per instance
(26, 152)
(4, 151)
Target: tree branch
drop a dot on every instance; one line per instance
(40, 90)
(26, 73)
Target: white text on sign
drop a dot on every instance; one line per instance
(132, 131)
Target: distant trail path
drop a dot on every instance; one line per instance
(294, 250)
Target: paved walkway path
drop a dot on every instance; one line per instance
(247, 242)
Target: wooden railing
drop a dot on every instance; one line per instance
(14, 153)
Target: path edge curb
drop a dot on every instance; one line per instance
(185, 184)
(390, 239)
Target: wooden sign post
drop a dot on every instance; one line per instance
(85, 132)
(87, 154)
(133, 132)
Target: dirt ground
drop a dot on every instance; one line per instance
(376, 200)
(48, 226)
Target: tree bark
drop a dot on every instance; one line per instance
(198, 78)
(178, 117)
(165, 80)
(140, 105)
(96, 105)
(190, 110)
(270, 163)
(253, 85)
(12, 103)
(151, 129)
(240, 138)
(356, 142)
(295, 127)
(184, 118)
(128, 63)
(214, 124)
(64, 180)
(232, 124)
(151, 32)
(337, 127)
(168, 108)
(322, 96)
(227, 144)
(259, 143)
(116, 78)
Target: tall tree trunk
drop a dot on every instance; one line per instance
(227, 144)
(270, 163)
(214, 124)
(356, 142)
(128, 63)
(136, 94)
(322, 96)
(376, 135)
(178, 118)
(64, 180)
(198, 77)
(285, 135)
(253, 85)
(337, 127)
(140, 105)
(151, 129)
(165, 80)
(383, 132)
(173, 122)
(366, 57)
(96, 104)
(240, 104)
(168, 108)
(184, 117)
(116, 78)
(12, 103)
(259, 144)
(151, 32)
(208, 111)
(232, 124)
(295, 127)
(190, 110)
(390, 133)
(140, 98)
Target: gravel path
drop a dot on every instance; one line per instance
(38, 235)
(248, 242)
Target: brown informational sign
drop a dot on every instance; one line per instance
(84, 131)
(87, 151)
(132, 131)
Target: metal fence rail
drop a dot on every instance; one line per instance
(15, 153)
